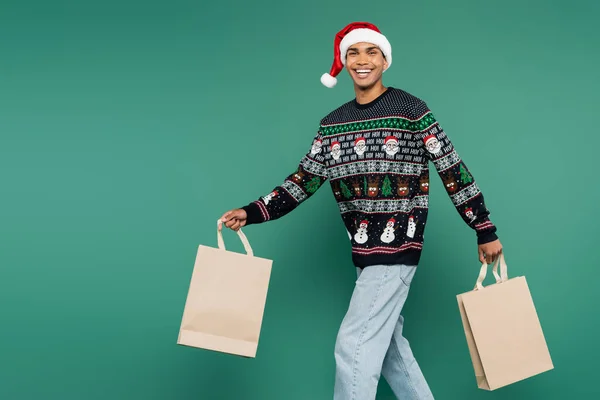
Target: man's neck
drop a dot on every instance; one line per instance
(364, 96)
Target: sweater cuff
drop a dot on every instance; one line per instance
(254, 213)
(484, 237)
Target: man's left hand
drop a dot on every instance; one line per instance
(489, 251)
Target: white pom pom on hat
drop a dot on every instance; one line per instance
(354, 32)
(328, 80)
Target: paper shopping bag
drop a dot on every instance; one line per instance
(503, 332)
(226, 299)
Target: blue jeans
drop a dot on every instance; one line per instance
(370, 341)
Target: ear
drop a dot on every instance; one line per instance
(385, 64)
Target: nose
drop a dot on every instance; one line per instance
(362, 58)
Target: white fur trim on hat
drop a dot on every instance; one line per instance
(368, 36)
(328, 80)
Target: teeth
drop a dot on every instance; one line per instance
(363, 71)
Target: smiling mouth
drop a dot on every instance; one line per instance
(363, 73)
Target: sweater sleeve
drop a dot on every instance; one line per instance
(459, 183)
(297, 187)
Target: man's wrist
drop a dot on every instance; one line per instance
(254, 214)
(486, 237)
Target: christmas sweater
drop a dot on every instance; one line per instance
(376, 158)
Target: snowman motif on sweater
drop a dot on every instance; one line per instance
(269, 197)
(361, 235)
(388, 235)
(412, 227)
(469, 214)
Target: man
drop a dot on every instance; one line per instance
(375, 151)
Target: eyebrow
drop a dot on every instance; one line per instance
(368, 48)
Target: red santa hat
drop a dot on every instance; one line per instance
(428, 138)
(358, 140)
(364, 221)
(353, 33)
(390, 138)
(392, 220)
(336, 143)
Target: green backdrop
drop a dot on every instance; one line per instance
(129, 127)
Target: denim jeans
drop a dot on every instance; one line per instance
(370, 342)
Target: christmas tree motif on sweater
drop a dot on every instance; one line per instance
(373, 187)
(391, 145)
(366, 185)
(403, 185)
(357, 188)
(336, 150)
(386, 188)
(345, 191)
(360, 146)
(266, 199)
(465, 176)
(316, 147)
(470, 215)
(432, 144)
(361, 235)
(388, 235)
(312, 185)
(412, 227)
(424, 184)
(449, 182)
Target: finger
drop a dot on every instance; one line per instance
(230, 223)
(481, 258)
(226, 216)
(236, 226)
(497, 253)
(489, 258)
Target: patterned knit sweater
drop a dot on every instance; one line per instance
(376, 158)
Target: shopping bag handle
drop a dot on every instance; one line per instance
(503, 277)
(243, 238)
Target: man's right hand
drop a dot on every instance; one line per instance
(234, 219)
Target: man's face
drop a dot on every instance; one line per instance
(365, 64)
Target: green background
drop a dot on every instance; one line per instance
(128, 128)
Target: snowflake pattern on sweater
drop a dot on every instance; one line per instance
(376, 158)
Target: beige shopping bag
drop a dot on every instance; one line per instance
(226, 299)
(502, 329)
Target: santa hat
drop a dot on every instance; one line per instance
(364, 221)
(336, 143)
(390, 138)
(428, 138)
(353, 33)
(392, 220)
(469, 210)
(358, 140)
